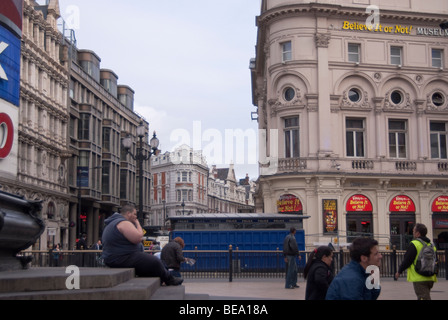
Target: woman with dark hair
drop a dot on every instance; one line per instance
(318, 273)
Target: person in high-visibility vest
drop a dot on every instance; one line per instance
(422, 284)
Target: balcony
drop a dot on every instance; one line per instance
(372, 166)
(292, 165)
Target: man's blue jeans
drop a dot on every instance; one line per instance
(291, 272)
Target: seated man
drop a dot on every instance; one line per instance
(122, 247)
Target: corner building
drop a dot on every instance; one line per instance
(356, 119)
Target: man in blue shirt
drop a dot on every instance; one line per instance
(355, 281)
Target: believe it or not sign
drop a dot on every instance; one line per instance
(359, 203)
(402, 204)
(289, 203)
(440, 204)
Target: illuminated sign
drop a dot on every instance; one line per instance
(289, 204)
(11, 15)
(402, 204)
(6, 135)
(9, 66)
(440, 204)
(359, 203)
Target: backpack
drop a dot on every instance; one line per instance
(426, 264)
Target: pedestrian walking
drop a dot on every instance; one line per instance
(291, 251)
(351, 281)
(318, 273)
(423, 283)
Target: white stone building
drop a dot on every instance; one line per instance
(179, 184)
(356, 117)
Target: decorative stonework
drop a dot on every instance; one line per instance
(322, 40)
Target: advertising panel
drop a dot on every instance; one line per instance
(402, 204)
(10, 55)
(10, 51)
(11, 15)
(440, 204)
(9, 119)
(330, 215)
(359, 203)
(289, 203)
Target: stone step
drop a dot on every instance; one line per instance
(133, 289)
(51, 279)
(95, 284)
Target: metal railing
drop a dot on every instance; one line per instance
(230, 264)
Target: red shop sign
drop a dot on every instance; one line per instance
(359, 203)
(402, 204)
(289, 203)
(440, 204)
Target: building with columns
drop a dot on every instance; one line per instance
(42, 123)
(179, 184)
(354, 104)
(63, 118)
(183, 185)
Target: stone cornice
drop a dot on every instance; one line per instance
(344, 12)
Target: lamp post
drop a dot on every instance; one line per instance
(183, 207)
(140, 158)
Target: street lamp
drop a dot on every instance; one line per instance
(183, 207)
(140, 158)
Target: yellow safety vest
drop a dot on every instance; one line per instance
(413, 276)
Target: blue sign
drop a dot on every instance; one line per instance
(83, 177)
(10, 54)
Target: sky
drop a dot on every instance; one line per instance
(188, 63)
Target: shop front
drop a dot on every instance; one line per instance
(359, 217)
(439, 210)
(402, 221)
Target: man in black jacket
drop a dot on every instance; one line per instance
(172, 256)
(291, 251)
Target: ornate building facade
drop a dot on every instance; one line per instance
(353, 100)
(179, 184)
(43, 122)
(69, 121)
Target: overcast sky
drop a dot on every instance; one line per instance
(188, 63)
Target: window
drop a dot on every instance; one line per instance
(354, 95)
(292, 138)
(184, 195)
(84, 127)
(354, 50)
(287, 51)
(438, 99)
(437, 55)
(290, 93)
(184, 176)
(397, 138)
(395, 55)
(105, 181)
(396, 97)
(439, 135)
(355, 137)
